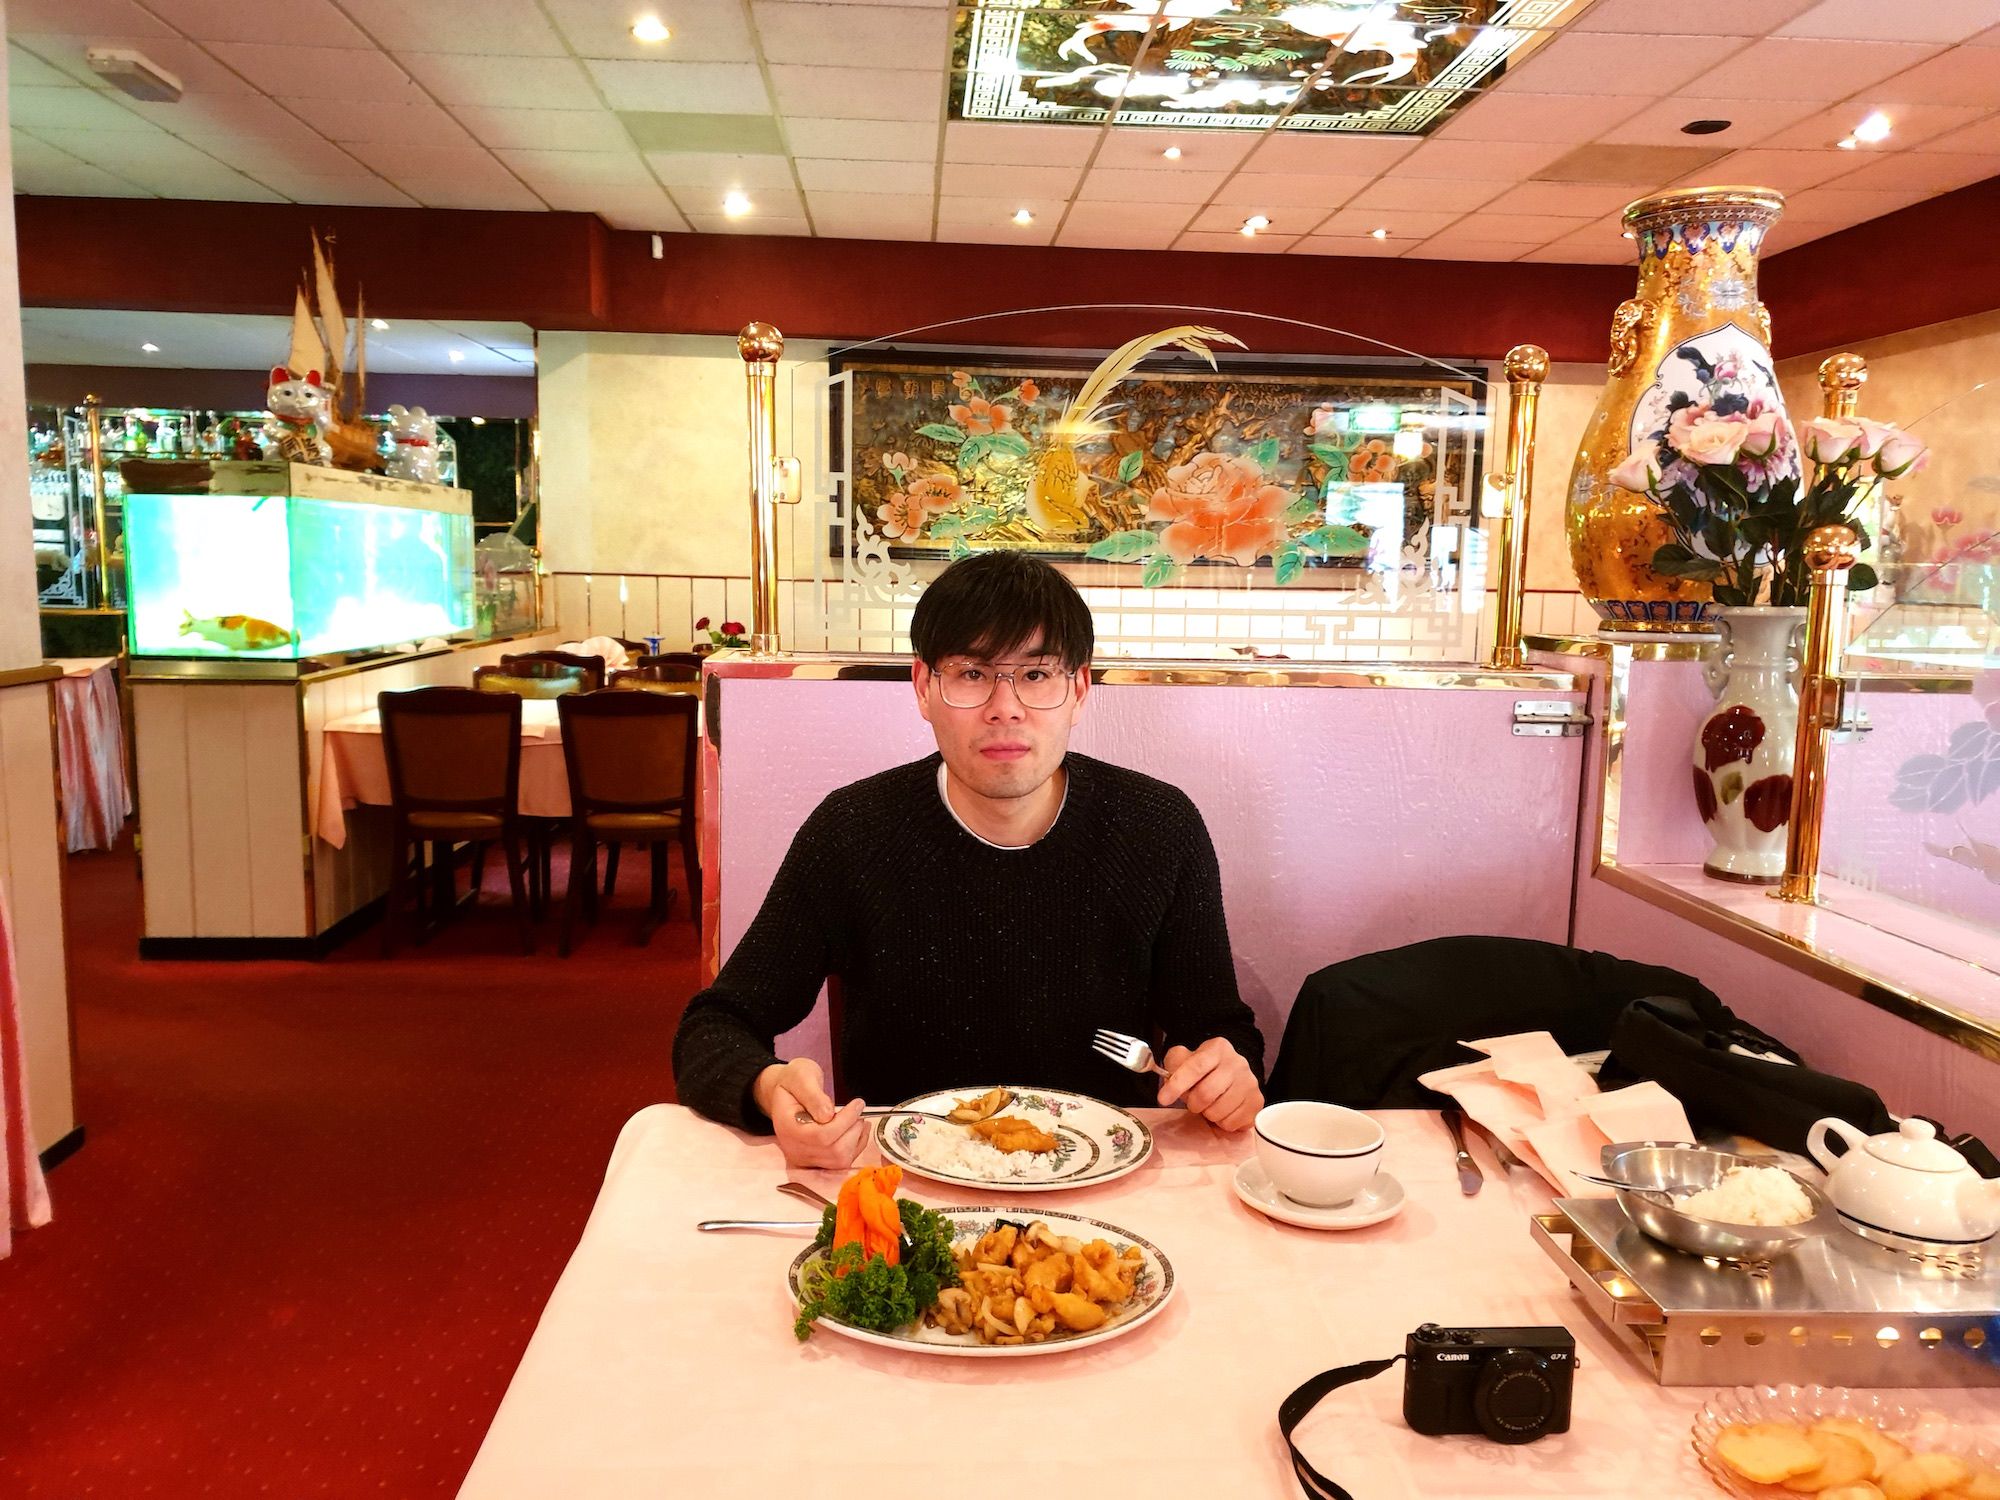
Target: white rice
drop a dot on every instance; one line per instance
(956, 1150)
(1763, 1196)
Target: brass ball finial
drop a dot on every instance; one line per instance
(1832, 548)
(759, 343)
(1842, 372)
(1527, 363)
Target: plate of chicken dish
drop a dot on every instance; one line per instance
(1021, 1138)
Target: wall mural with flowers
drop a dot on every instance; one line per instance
(1166, 471)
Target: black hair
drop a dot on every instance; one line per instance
(995, 602)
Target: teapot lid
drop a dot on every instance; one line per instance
(1915, 1145)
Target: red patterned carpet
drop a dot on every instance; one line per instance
(321, 1205)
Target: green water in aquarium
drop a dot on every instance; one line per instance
(283, 577)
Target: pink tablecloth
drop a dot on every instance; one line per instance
(90, 745)
(353, 768)
(665, 1364)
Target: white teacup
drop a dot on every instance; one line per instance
(1321, 1155)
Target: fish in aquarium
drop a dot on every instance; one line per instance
(238, 632)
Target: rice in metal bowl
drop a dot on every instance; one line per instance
(1765, 1196)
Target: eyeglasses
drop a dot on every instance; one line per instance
(971, 684)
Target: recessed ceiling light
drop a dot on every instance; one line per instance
(1874, 128)
(735, 205)
(1628, 234)
(1255, 224)
(378, 325)
(1378, 234)
(479, 421)
(149, 348)
(1706, 127)
(458, 356)
(650, 29)
(1847, 143)
(1172, 153)
(1022, 216)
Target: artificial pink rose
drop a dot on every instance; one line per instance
(1873, 435)
(1640, 473)
(1219, 505)
(932, 494)
(1702, 437)
(1900, 455)
(1831, 440)
(979, 415)
(1761, 437)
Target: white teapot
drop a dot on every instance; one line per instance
(1906, 1185)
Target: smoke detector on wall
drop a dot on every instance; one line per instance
(134, 73)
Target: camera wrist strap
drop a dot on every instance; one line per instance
(1293, 1409)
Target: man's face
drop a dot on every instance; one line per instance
(1001, 748)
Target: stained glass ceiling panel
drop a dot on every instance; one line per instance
(1397, 67)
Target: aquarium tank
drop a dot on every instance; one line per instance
(281, 577)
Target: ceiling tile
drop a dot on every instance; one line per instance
(1838, 205)
(1980, 139)
(847, 226)
(1236, 243)
(1522, 229)
(700, 87)
(1684, 17)
(42, 168)
(318, 72)
(1130, 238)
(231, 118)
(599, 197)
(965, 180)
(414, 120)
(860, 36)
(1913, 125)
(360, 191)
(279, 162)
(1787, 171)
(420, 170)
(703, 30)
(721, 170)
(503, 82)
(867, 176)
(127, 152)
(860, 140)
(1804, 68)
(1487, 161)
(198, 72)
(654, 218)
(27, 71)
(1018, 145)
(646, 202)
(1964, 75)
(765, 202)
(1364, 247)
(544, 129)
(91, 18)
(781, 228)
(620, 169)
(1404, 225)
(1348, 156)
(858, 93)
(1431, 193)
(1272, 192)
(1571, 199)
(214, 183)
(1451, 247)
(1934, 172)
(1875, 20)
(1140, 148)
(1574, 252)
(1570, 119)
(295, 23)
(1753, 121)
(71, 109)
(496, 28)
(746, 135)
(1602, 62)
(1789, 234)
(1041, 232)
(999, 212)
(901, 207)
(1106, 218)
(1119, 185)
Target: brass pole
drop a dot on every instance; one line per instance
(93, 417)
(1830, 552)
(1527, 367)
(760, 345)
(1841, 377)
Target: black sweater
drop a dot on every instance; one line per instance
(962, 964)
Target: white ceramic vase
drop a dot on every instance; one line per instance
(1743, 752)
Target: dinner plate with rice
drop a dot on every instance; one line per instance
(1083, 1141)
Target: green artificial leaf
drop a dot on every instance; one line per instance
(1301, 509)
(1861, 577)
(1336, 541)
(942, 433)
(1725, 484)
(1008, 442)
(1162, 569)
(1286, 564)
(974, 449)
(1671, 556)
(1724, 594)
(1265, 453)
(1330, 454)
(1130, 465)
(1123, 546)
(947, 526)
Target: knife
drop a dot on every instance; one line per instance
(1469, 1180)
(710, 1226)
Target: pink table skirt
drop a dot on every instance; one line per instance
(354, 769)
(90, 746)
(665, 1363)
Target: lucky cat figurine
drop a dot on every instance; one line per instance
(295, 431)
(413, 447)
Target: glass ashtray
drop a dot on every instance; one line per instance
(1918, 1429)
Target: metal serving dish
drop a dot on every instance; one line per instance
(1660, 1171)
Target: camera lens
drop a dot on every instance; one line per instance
(1514, 1401)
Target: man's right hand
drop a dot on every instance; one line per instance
(829, 1137)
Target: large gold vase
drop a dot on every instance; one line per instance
(1696, 305)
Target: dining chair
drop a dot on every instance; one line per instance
(672, 658)
(533, 679)
(454, 759)
(592, 666)
(631, 761)
(660, 677)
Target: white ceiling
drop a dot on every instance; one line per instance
(228, 341)
(528, 104)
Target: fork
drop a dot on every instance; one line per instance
(1126, 1051)
(809, 1194)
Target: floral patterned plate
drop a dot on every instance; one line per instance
(1155, 1285)
(1920, 1430)
(1097, 1141)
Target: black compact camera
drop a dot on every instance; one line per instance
(1512, 1384)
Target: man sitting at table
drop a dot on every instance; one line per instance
(985, 910)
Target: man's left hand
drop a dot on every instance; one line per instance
(1216, 1083)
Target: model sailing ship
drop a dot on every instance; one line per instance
(315, 415)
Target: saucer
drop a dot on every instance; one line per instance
(1383, 1199)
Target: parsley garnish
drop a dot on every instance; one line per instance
(874, 1294)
